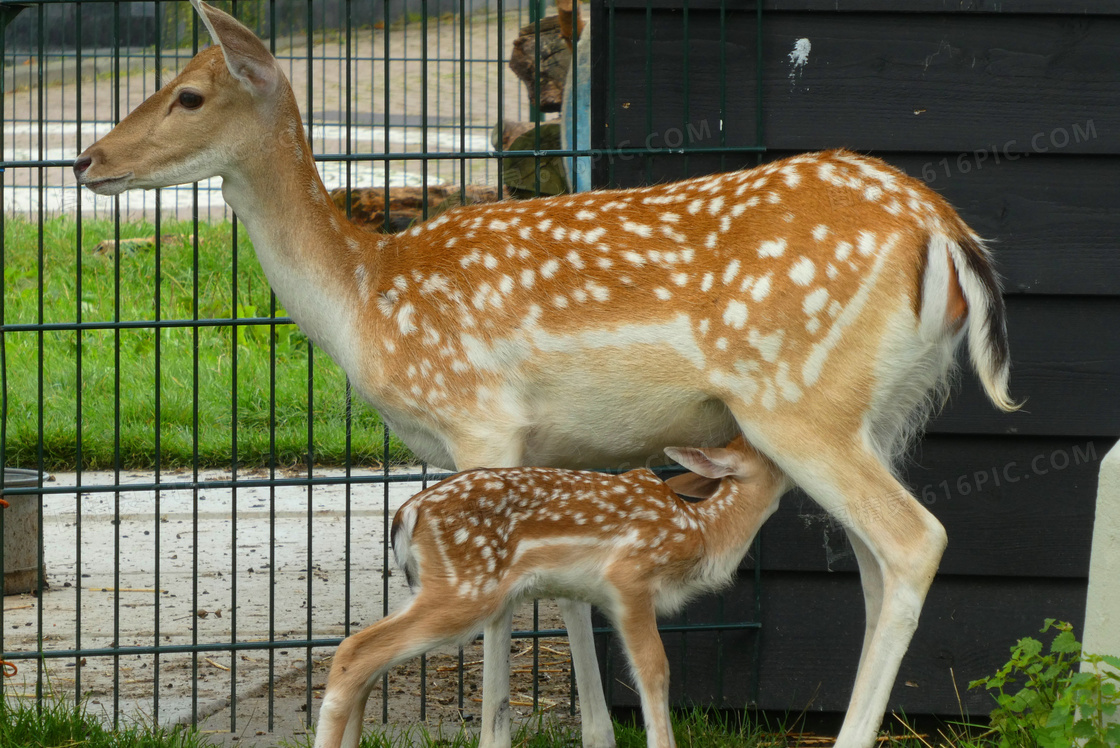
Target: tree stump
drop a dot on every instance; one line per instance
(556, 57)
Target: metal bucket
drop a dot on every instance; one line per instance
(21, 533)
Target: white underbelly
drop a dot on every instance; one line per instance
(621, 428)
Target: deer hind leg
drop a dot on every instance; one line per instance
(898, 545)
(595, 719)
(871, 579)
(636, 623)
(363, 657)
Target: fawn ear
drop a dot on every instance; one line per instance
(248, 60)
(710, 463)
(693, 486)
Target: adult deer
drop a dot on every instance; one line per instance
(812, 304)
(477, 543)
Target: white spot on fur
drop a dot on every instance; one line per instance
(820, 231)
(761, 288)
(802, 271)
(731, 271)
(735, 315)
(866, 243)
(768, 346)
(404, 318)
(772, 248)
(815, 301)
(549, 268)
(637, 228)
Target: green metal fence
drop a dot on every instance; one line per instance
(209, 507)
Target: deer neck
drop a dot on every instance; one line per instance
(731, 519)
(307, 249)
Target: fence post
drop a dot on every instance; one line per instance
(21, 534)
(1102, 604)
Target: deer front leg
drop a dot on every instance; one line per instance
(495, 681)
(595, 718)
(636, 622)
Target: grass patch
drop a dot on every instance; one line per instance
(63, 725)
(82, 425)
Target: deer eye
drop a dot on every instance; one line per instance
(190, 100)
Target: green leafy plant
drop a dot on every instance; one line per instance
(1045, 699)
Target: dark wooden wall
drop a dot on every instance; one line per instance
(1012, 112)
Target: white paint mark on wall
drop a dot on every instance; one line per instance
(798, 59)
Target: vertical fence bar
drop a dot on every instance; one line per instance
(79, 313)
(116, 385)
(158, 427)
(6, 15)
(272, 459)
(196, 312)
(40, 664)
(310, 662)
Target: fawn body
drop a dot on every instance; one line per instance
(479, 542)
(812, 304)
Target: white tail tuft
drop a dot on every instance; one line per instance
(987, 318)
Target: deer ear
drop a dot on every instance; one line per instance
(693, 486)
(710, 463)
(248, 60)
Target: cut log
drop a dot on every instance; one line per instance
(555, 58)
(406, 204)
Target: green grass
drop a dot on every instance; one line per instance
(43, 285)
(696, 728)
(62, 725)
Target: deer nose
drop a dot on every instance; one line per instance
(81, 165)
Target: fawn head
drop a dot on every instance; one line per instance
(738, 461)
(224, 107)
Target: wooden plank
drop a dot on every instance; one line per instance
(1051, 220)
(1013, 507)
(948, 83)
(1056, 7)
(812, 633)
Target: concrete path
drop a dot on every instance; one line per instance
(108, 596)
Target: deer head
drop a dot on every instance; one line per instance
(207, 122)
